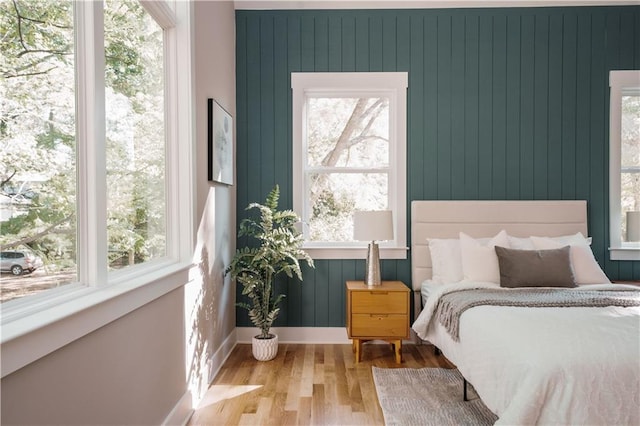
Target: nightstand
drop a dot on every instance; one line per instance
(378, 313)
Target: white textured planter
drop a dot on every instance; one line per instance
(265, 349)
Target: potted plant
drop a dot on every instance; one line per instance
(276, 250)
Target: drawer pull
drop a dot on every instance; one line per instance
(381, 293)
(379, 316)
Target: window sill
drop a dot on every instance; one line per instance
(79, 311)
(354, 252)
(624, 253)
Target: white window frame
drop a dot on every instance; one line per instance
(620, 83)
(376, 84)
(37, 325)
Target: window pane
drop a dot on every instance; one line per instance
(630, 131)
(333, 201)
(134, 93)
(345, 132)
(348, 132)
(630, 156)
(37, 147)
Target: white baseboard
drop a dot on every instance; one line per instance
(218, 359)
(328, 335)
(317, 335)
(184, 409)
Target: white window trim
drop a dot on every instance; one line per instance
(395, 83)
(91, 128)
(36, 326)
(619, 82)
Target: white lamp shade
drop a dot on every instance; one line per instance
(633, 226)
(373, 225)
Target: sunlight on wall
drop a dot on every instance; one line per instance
(197, 350)
(205, 295)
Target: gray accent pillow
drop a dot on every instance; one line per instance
(535, 268)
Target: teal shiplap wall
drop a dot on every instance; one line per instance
(503, 104)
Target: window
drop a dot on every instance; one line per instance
(116, 145)
(624, 166)
(38, 144)
(96, 137)
(135, 136)
(349, 153)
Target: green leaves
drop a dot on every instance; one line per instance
(275, 249)
(272, 198)
(37, 128)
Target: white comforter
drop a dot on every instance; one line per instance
(578, 366)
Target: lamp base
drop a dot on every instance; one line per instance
(372, 272)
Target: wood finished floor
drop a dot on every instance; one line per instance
(304, 385)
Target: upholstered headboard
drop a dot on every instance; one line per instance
(445, 219)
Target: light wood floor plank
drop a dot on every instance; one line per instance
(318, 407)
(304, 411)
(306, 381)
(305, 385)
(293, 389)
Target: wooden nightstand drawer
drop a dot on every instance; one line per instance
(379, 302)
(378, 313)
(383, 325)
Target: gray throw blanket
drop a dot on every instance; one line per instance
(452, 305)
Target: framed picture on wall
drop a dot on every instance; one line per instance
(220, 141)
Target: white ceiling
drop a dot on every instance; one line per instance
(418, 4)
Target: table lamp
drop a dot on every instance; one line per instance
(633, 226)
(372, 226)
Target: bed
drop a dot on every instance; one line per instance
(539, 364)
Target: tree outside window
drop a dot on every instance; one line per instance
(347, 148)
(38, 143)
(630, 159)
(349, 154)
(624, 165)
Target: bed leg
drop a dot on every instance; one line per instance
(464, 390)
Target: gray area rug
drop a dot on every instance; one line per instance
(427, 396)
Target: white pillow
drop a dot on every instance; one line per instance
(521, 243)
(479, 261)
(585, 266)
(567, 240)
(446, 260)
(525, 243)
